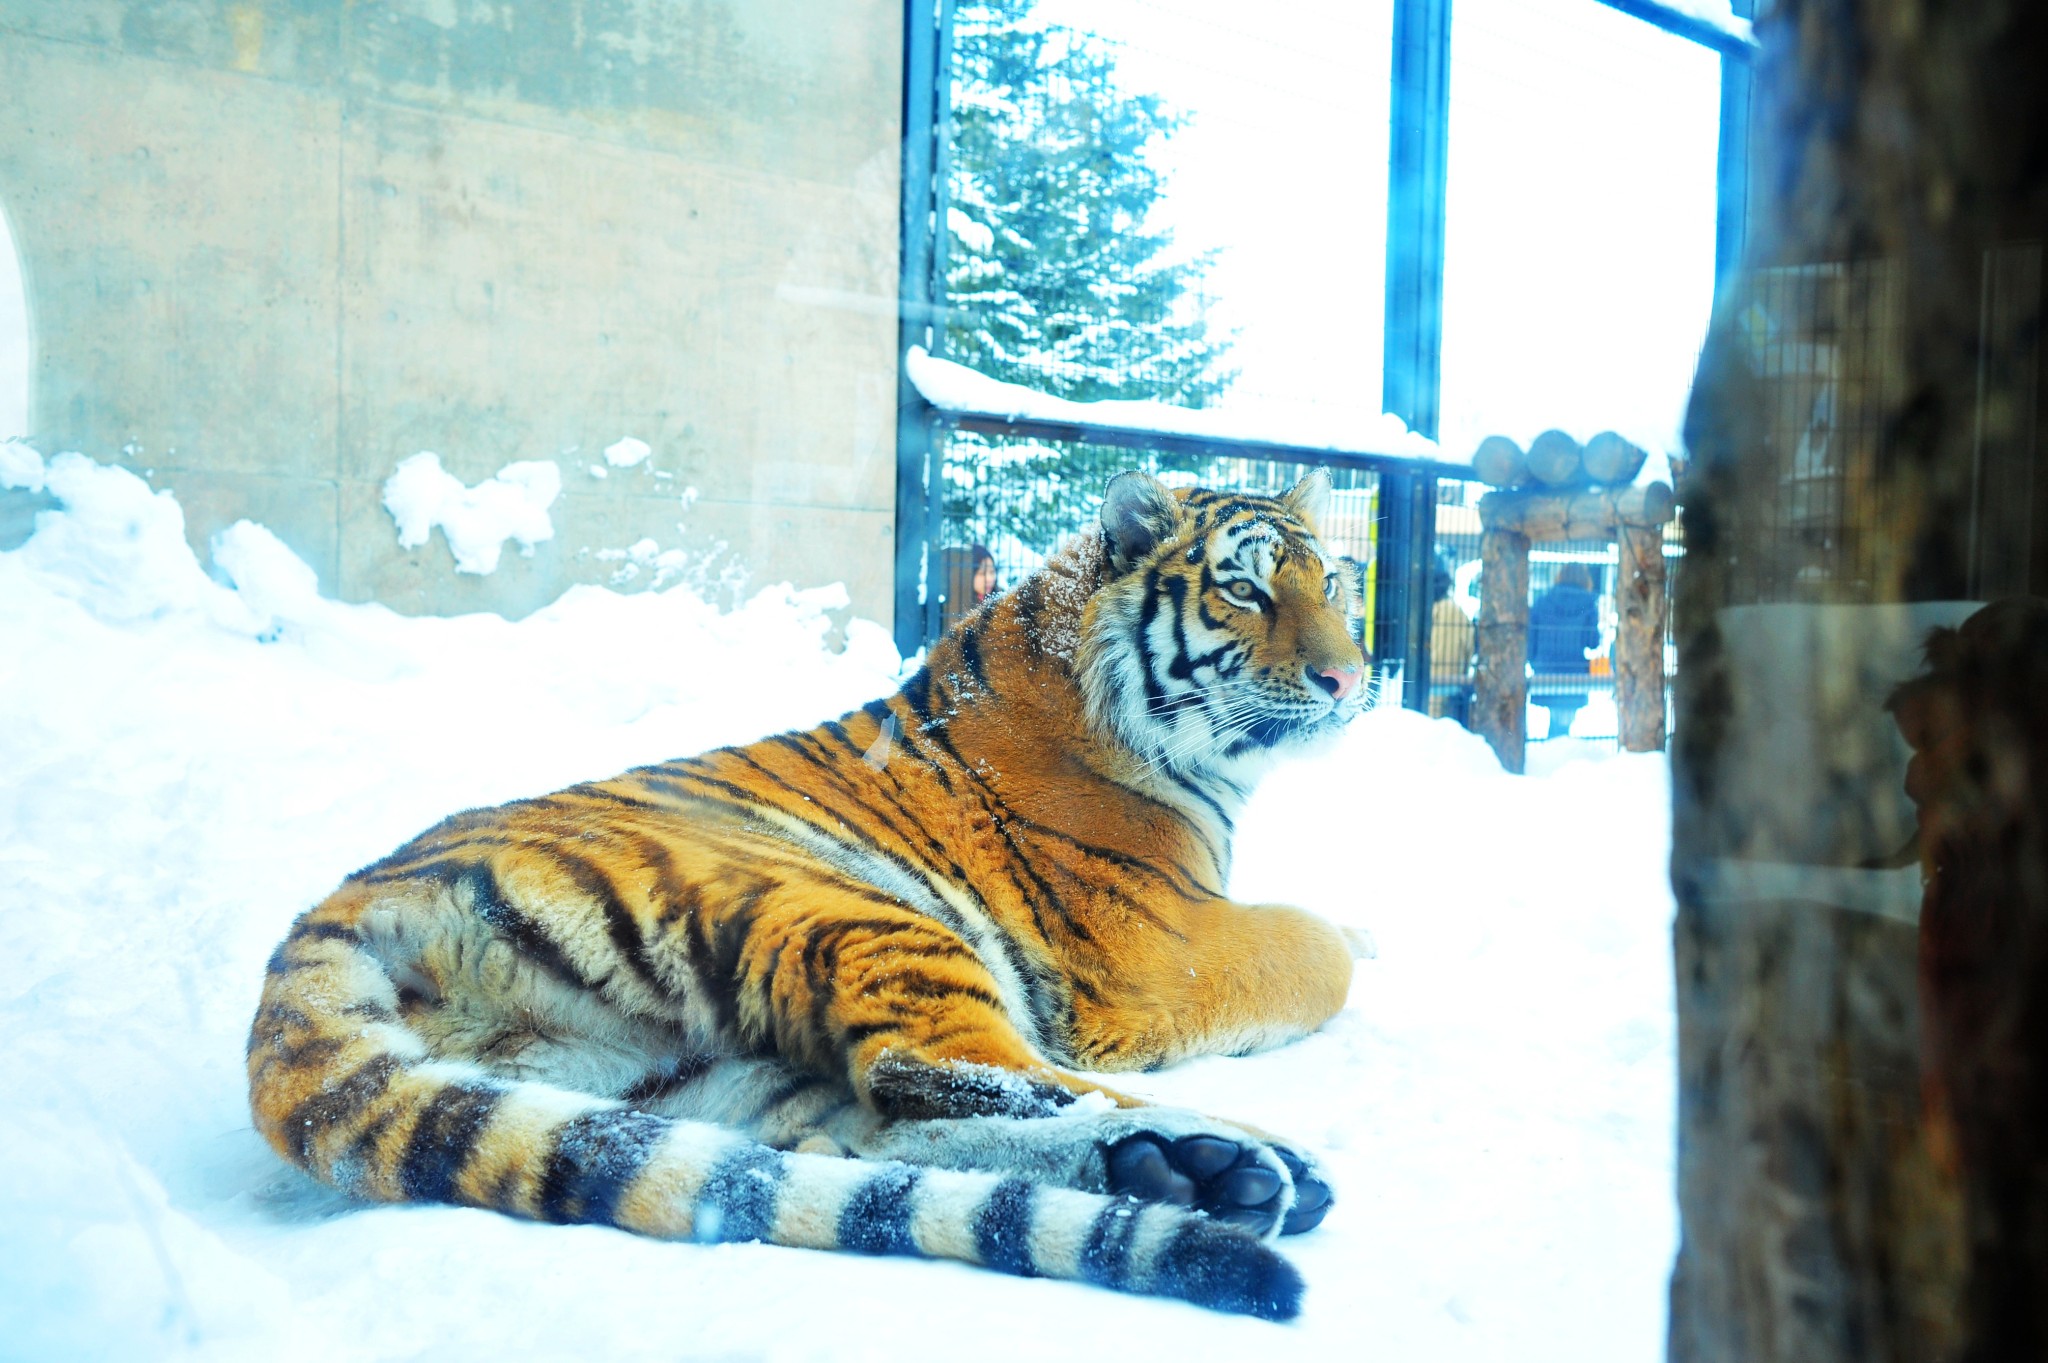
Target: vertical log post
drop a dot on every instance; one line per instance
(1500, 709)
(1639, 608)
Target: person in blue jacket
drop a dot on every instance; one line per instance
(1563, 624)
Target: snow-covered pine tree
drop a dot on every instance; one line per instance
(1057, 276)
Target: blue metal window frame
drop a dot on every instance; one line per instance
(1418, 155)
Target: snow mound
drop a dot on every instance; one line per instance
(624, 454)
(187, 763)
(114, 545)
(477, 521)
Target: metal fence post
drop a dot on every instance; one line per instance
(1731, 216)
(1412, 353)
(1404, 544)
(927, 34)
(1418, 153)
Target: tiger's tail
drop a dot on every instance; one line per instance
(342, 1088)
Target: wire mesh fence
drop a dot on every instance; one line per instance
(1011, 500)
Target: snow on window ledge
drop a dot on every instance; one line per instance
(959, 391)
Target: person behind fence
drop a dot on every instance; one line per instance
(1451, 640)
(984, 581)
(1563, 624)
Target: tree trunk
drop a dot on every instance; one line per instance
(1499, 462)
(1610, 459)
(1500, 708)
(1554, 458)
(1588, 515)
(1639, 609)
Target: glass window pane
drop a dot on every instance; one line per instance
(1579, 241)
(1279, 167)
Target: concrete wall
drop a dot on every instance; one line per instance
(273, 247)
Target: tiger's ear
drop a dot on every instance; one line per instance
(1138, 511)
(1310, 498)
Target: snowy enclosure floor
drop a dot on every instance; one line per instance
(186, 764)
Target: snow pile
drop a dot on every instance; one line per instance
(185, 765)
(477, 521)
(957, 389)
(624, 454)
(114, 545)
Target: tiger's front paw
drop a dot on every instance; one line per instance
(1234, 1177)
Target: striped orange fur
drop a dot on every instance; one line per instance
(831, 988)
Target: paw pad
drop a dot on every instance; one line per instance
(1225, 1178)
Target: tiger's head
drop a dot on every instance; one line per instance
(1221, 634)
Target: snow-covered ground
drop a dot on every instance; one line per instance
(184, 765)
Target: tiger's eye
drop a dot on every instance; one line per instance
(1243, 591)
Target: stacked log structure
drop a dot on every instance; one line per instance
(1559, 490)
(1556, 462)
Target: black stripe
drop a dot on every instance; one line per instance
(853, 1035)
(697, 949)
(487, 901)
(1106, 1257)
(848, 829)
(881, 815)
(1224, 1269)
(737, 1201)
(1000, 817)
(443, 1139)
(1185, 885)
(327, 932)
(596, 792)
(1148, 614)
(441, 866)
(313, 1051)
(595, 1160)
(970, 653)
(1229, 825)
(434, 846)
(941, 855)
(876, 1219)
(336, 1104)
(785, 1092)
(917, 694)
(1002, 1229)
(669, 1082)
(1220, 857)
(674, 785)
(920, 985)
(619, 922)
(1024, 862)
(820, 959)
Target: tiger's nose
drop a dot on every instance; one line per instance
(1338, 681)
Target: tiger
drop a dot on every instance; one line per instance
(847, 988)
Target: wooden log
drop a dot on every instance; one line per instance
(1610, 459)
(1500, 705)
(1589, 515)
(1640, 613)
(1499, 462)
(1555, 460)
